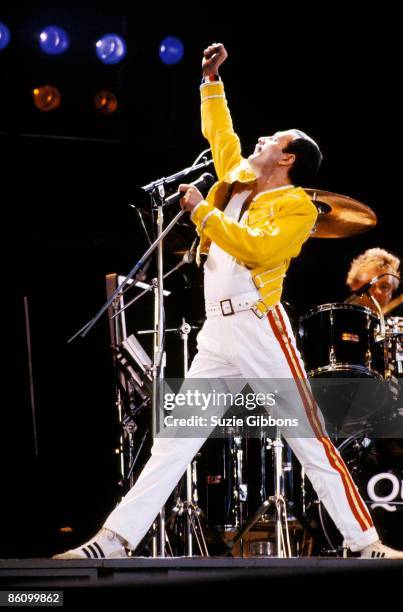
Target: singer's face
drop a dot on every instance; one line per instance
(382, 290)
(269, 151)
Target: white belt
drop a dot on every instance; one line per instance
(229, 306)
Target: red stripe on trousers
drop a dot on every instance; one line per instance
(347, 475)
(308, 410)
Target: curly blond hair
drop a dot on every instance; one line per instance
(374, 258)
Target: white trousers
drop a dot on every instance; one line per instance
(243, 346)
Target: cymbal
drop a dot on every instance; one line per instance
(340, 216)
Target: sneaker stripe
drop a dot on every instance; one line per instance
(87, 554)
(99, 549)
(93, 550)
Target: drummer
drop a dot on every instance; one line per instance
(370, 264)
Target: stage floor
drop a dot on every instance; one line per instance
(149, 573)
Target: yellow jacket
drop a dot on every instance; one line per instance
(278, 222)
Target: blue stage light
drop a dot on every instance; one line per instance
(110, 49)
(4, 36)
(54, 40)
(171, 50)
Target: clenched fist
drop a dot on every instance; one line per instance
(192, 197)
(213, 57)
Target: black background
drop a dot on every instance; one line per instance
(68, 178)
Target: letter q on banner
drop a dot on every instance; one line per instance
(383, 502)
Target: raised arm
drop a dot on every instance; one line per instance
(216, 119)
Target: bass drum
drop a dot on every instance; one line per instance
(376, 466)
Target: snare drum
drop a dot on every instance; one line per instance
(341, 338)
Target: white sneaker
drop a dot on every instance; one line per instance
(377, 550)
(106, 544)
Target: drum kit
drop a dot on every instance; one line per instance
(339, 342)
(233, 482)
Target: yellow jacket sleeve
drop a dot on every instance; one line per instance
(273, 241)
(217, 128)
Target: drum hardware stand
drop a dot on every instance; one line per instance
(133, 460)
(241, 491)
(118, 333)
(275, 503)
(125, 387)
(130, 385)
(381, 337)
(30, 375)
(194, 529)
(188, 508)
(193, 524)
(129, 429)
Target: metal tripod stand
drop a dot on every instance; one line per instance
(275, 503)
(188, 508)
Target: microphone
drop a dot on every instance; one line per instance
(203, 183)
(365, 288)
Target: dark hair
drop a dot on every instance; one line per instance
(308, 159)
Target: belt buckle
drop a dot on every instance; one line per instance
(226, 314)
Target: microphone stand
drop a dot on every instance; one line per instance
(157, 193)
(162, 182)
(158, 546)
(158, 344)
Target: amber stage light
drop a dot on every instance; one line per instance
(105, 102)
(46, 97)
